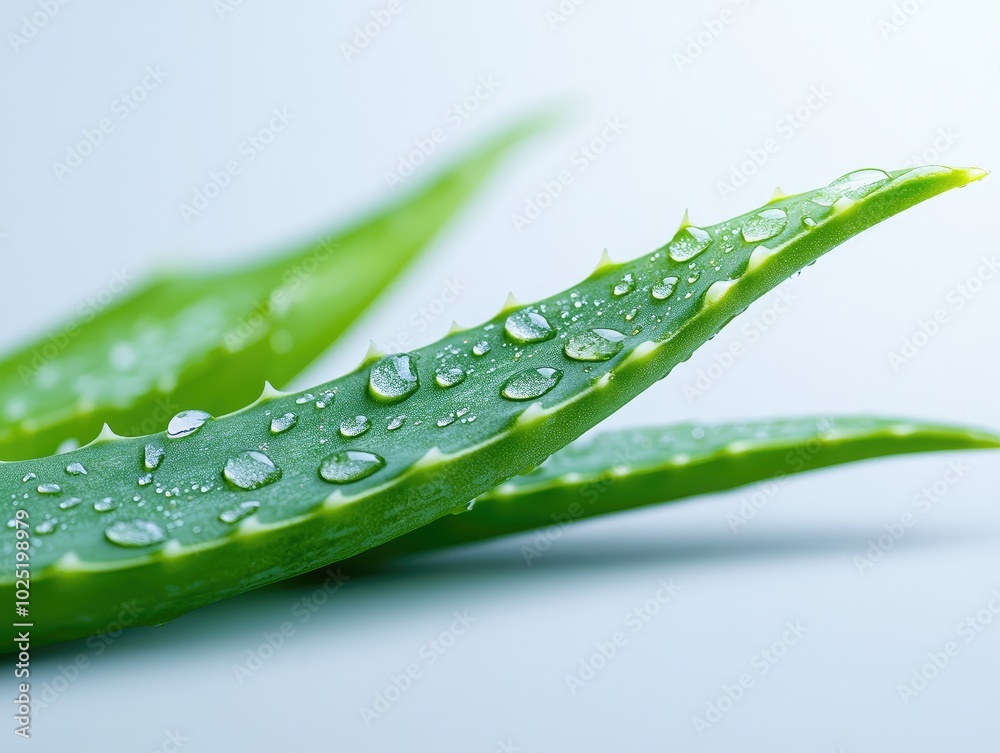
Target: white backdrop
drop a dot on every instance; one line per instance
(811, 90)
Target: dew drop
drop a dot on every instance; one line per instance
(526, 326)
(625, 286)
(396, 423)
(306, 398)
(152, 457)
(239, 512)
(664, 288)
(393, 378)
(69, 504)
(29, 477)
(688, 243)
(46, 526)
(481, 348)
(355, 427)
(49, 488)
(446, 420)
(527, 385)
(856, 185)
(283, 423)
(347, 466)
(187, 422)
(449, 377)
(134, 533)
(105, 505)
(809, 222)
(764, 225)
(694, 277)
(76, 469)
(251, 470)
(594, 345)
(146, 479)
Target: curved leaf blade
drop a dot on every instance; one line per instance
(431, 464)
(211, 338)
(627, 469)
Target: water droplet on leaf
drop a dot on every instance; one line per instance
(251, 470)
(764, 225)
(355, 427)
(527, 326)
(594, 345)
(134, 533)
(664, 288)
(187, 422)
(152, 457)
(625, 285)
(76, 469)
(105, 505)
(46, 527)
(283, 423)
(393, 378)
(347, 466)
(239, 512)
(449, 377)
(688, 243)
(530, 384)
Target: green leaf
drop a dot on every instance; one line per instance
(211, 339)
(233, 504)
(631, 468)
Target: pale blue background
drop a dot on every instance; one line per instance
(685, 131)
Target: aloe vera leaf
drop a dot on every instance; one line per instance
(627, 469)
(211, 339)
(256, 496)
